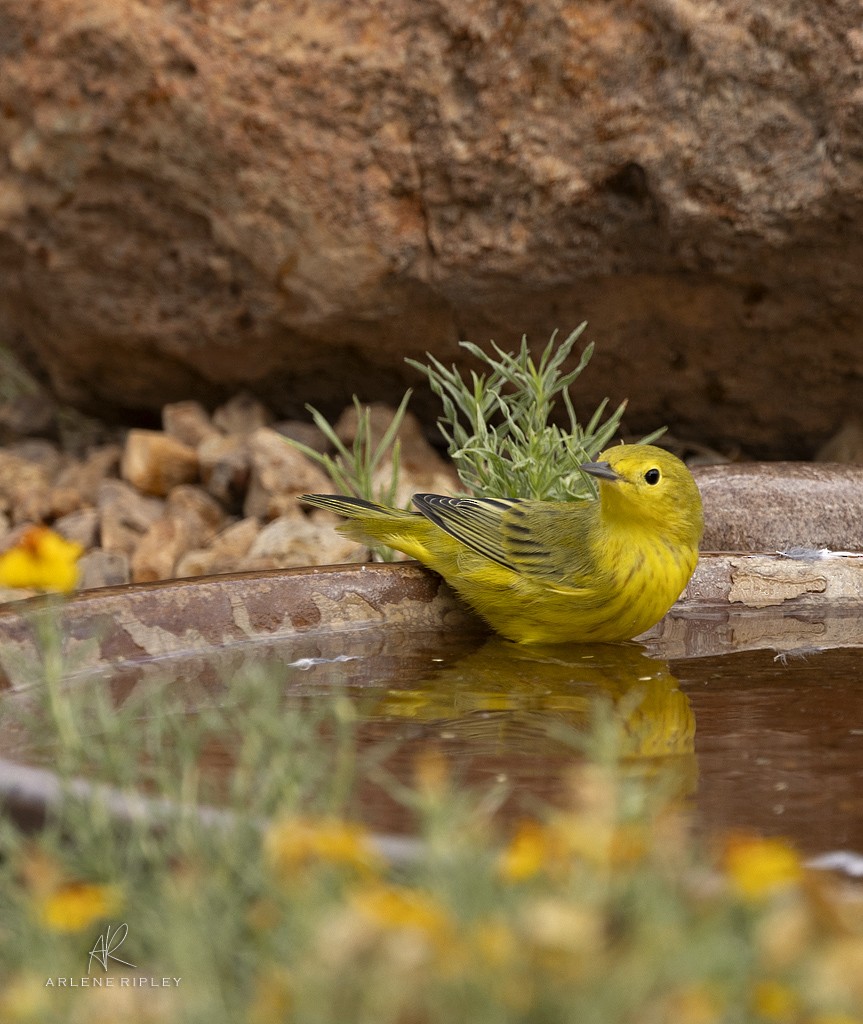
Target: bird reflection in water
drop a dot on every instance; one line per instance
(521, 703)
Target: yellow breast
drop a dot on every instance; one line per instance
(632, 587)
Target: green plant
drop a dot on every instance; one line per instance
(220, 830)
(283, 907)
(354, 470)
(497, 425)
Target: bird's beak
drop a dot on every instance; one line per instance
(600, 469)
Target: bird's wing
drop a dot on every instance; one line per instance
(553, 541)
(545, 540)
(475, 522)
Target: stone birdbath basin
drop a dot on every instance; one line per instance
(754, 680)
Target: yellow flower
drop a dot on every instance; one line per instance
(759, 867)
(394, 908)
(76, 905)
(555, 846)
(532, 849)
(273, 997)
(774, 1001)
(41, 560)
(298, 842)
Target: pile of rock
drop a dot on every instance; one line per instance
(206, 494)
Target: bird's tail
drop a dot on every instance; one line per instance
(373, 524)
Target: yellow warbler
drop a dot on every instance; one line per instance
(550, 571)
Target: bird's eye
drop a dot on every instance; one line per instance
(652, 476)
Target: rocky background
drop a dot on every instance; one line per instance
(205, 196)
(218, 493)
(205, 494)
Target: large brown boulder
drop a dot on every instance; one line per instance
(291, 197)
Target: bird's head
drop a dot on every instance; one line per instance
(643, 483)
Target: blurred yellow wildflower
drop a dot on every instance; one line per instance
(758, 867)
(554, 846)
(272, 999)
(74, 906)
(535, 847)
(774, 1001)
(41, 560)
(299, 842)
(396, 908)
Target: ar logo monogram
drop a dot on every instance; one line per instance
(107, 945)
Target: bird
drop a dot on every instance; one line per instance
(598, 570)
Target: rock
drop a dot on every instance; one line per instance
(194, 204)
(82, 435)
(13, 534)
(101, 568)
(32, 505)
(125, 515)
(242, 415)
(775, 506)
(145, 538)
(413, 443)
(846, 445)
(225, 465)
(306, 433)
(159, 550)
(24, 489)
(86, 476)
(296, 539)
(191, 519)
(201, 514)
(187, 422)
(27, 408)
(154, 462)
(41, 453)
(441, 479)
(62, 501)
(421, 468)
(27, 415)
(279, 474)
(81, 526)
(224, 554)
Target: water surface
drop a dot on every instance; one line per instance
(757, 740)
